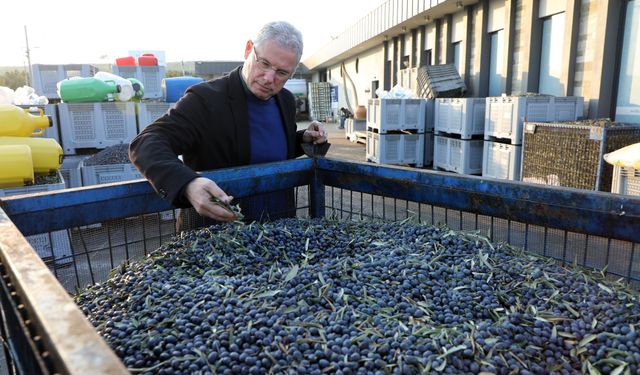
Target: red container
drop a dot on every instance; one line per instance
(147, 59)
(126, 61)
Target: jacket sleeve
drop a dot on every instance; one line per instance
(154, 152)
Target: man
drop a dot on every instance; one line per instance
(240, 119)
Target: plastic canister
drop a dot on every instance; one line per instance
(16, 121)
(126, 61)
(126, 88)
(17, 169)
(46, 153)
(147, 59)
(86, 90)
(138, 88)
(173, 88)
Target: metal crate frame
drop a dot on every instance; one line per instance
(588, 228)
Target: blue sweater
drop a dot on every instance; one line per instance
(266, 130)
(268, 144)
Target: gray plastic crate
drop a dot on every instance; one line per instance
(501, 160)
(395, 148)
(505, 115)
(96, 125)
(108, 173)
(625, 181)
(385, 115)
(44, 78)
(458, 155)
(461, 116)
(53, 246)
(440, 81)
(150, 111)
(354, 128)
(150, 76)
(70, 170)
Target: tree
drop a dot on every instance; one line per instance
(13, 79)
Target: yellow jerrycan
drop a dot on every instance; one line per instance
(46, 153)
(18, 122)
(17, 166)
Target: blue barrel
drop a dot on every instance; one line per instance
(173, 88)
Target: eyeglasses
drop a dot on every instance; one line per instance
(265, 66)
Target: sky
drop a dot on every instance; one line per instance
(86, 32)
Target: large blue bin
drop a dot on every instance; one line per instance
(173, 88)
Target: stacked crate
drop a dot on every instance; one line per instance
(86, 127)
(439, 81)
(109, 165)
(320, 100)
(459, 128)
(503, 133)
(150, 76)
(45, 78)
(626, 180)
(571, 153)
(396, 131)
(148, 112)
(70, 170)
(355, 130)
(53, 247)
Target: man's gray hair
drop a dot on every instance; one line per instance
(283, 34)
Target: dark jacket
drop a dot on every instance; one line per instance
(209, 127)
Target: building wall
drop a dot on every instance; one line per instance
(370, 68)
(473, 79)
(518, 82)
(589, 55)
(584, 64)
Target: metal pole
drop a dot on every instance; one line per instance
(28, 53)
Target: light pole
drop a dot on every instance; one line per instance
(28, 53)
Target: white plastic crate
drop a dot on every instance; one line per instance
(353, 127)
(70, 170)
(44, 78)
(150, 76)
(51, 111)
(395, 148)
(568, 108)
(428, 149)
(385, 115)
(49, 246)
(505, 115)
(458, 155)
(148, 112)
(501, 160)
(626, 181)
(108, 173)
(462, 116)
(96, 125)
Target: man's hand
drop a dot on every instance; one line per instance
(315, 133)
(199, 192)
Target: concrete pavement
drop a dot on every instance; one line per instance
(341, 147)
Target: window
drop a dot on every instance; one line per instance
(551, 55)
(456, 57)
(426, 57)
(628, 101)
(496, 77)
